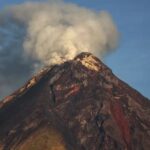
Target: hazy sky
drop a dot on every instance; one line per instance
(131, 61)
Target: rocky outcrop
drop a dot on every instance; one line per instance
(77, 105)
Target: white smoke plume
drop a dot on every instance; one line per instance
(42, 33)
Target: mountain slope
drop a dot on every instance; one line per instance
(77, 105)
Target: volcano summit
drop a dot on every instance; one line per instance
(77, 105)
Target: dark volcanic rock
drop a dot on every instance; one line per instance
(77, 105)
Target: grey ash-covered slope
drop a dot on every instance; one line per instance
(77, 105)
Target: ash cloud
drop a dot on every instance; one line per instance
(35, 34)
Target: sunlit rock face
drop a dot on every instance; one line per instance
(77, 105)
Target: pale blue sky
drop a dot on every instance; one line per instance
(131, 61)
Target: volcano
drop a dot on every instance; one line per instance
(77, 105)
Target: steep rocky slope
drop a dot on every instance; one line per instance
(77, 105)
